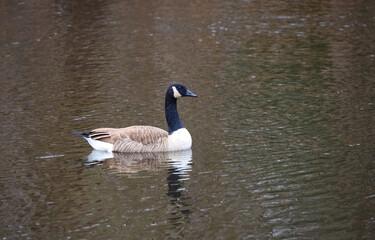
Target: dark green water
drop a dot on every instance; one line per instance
(283, 129)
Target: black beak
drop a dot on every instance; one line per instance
(190, 94)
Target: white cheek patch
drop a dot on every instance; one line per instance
(176, 93)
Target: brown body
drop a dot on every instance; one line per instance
(133, 139)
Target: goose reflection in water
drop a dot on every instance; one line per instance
(177, 163)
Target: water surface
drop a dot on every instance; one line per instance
(283, 129)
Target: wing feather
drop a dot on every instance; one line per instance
(133, 139)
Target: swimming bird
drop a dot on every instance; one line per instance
(146, 138)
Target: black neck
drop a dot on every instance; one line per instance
(171, 114)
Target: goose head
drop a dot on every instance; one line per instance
(175, 91)
(178, 90)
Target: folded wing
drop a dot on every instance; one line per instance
(133, 139)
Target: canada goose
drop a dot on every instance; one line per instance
(146, 138)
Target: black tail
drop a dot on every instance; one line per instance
(86, 135)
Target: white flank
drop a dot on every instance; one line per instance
(176, 93)
(179, 140)
(99, 145)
